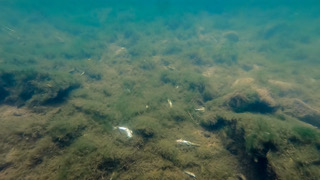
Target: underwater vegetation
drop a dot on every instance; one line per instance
(251, 102)
(114, 93)
(28, 87)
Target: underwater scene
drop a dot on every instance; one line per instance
(160, 89)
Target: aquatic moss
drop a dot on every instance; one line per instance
(250, 101)
(121, 99)
(194, 81)
(205, 153)
(129, 107)
(83, 146)
(147, 65)
(36, 88)
(167, 150)
(226, 54)
(217, 120)
(65, 129)
(306, 135)
(212, 122)
(261, 139)
(191, 80)
(208, 94)
(170, 77)
(178, 114)
(64, 138)
(147, 127)
(196, 57)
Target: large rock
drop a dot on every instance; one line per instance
(32, 88)
(301, 110)
(255, 100)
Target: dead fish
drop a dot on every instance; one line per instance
(190, 174)
(126, 130)
(200, 109)
(170, 103)
(181, 141)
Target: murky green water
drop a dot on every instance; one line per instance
(159, 90)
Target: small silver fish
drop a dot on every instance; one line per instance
(128, 131)
(190, 174)
(181, 141)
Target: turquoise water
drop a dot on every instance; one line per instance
(157, 89)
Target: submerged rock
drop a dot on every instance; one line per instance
(212, 122)
(283, 86)
(257, 100)
(243, 81)
(145, 132)
(301, 110)
(34, 88)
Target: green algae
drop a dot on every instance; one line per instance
(306, 135)
(94, 80)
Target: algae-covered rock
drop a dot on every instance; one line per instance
(275, 148)
(145, 126)
(305, 135)
(282, 85)
(63, 137)
(258, 101)
(109, 164)
(167, 150)
(34, 88)
(301, 110)
(146, 132)
(178, 114)
(213, 121)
